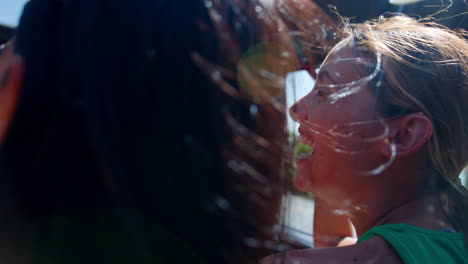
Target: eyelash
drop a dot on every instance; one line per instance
(321, 93)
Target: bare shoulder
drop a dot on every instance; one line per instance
(374, 250)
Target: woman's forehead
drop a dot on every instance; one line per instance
(348, 52)
(345, 63)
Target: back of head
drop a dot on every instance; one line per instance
(129, 134)
(115, 117)
(425, 69)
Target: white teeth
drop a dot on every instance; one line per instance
(306, 141)
(306, 155)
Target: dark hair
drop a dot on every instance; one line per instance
(126, 133)
(116, 119)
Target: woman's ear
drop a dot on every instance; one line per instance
(11, 79)
(409, 133)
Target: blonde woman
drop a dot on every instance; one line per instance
(386, 120)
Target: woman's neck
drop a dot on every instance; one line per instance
(424, 211)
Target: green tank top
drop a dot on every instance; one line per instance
(417, 245)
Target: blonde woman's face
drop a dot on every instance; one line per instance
(338, 119)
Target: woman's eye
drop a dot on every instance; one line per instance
(321, 93)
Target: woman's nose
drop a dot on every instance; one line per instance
(302, 109)
(298, 111)
(293, 112)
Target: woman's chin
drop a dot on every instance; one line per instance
(301, 182)
(302, 179)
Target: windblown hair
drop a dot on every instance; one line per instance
(424, 68)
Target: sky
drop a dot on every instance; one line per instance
(10, 10)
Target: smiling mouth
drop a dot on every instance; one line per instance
(308, 141)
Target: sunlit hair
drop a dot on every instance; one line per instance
(424, 69)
